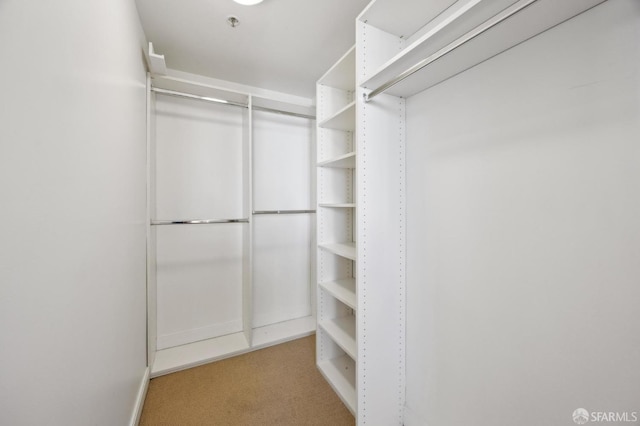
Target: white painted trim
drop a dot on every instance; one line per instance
(275, 334)
(157, 63)
(219, 348)
(199, 353)
(291, 313)
(142, 394)
(167, 341)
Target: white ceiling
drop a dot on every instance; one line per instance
(282, 45)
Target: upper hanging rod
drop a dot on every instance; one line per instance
(277, 111)
(282, 211)
(225, 102)
(486, 25)
(198, 222)
(201, 98)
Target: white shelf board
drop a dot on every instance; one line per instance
(341, 374)
(338, 205)
(344, 290)
(281, 332)
(342, 330)
(345, 161)
(402, 17)
(191, 355)
(343, 74)
(345, 119)
(445, 28)
(347, 249)
(534, 19)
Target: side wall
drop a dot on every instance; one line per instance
(523, 178)
(72, 231)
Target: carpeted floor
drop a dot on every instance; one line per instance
(277, 386)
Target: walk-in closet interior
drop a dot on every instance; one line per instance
(445, 193)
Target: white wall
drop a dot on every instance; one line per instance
(72, 231)
(523, 276)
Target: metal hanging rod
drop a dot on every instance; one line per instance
(225, 102)
(198, 222)
(480, 29)
(277, 111)
(283, 211)
(200, 98)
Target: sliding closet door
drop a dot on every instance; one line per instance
(199, 176)
(282, 149)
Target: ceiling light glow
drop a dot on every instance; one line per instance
(248, 2)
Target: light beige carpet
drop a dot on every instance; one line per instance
(279, 386)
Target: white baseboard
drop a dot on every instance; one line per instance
(172, 340)
(142, 393)
(204, 351)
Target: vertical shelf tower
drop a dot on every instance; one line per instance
(336, 195)
(361, 239)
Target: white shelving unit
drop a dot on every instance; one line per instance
(403, 48)
(336, 294)
(257, 323)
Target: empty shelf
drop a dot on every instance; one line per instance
(181, 357)
(342, 331)
(338, 205)
(345, 161)
(283, 331)
(345, 119)
(402, 17)
(343, 74)
(344, 290)
(341, 374)
(347, 250)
